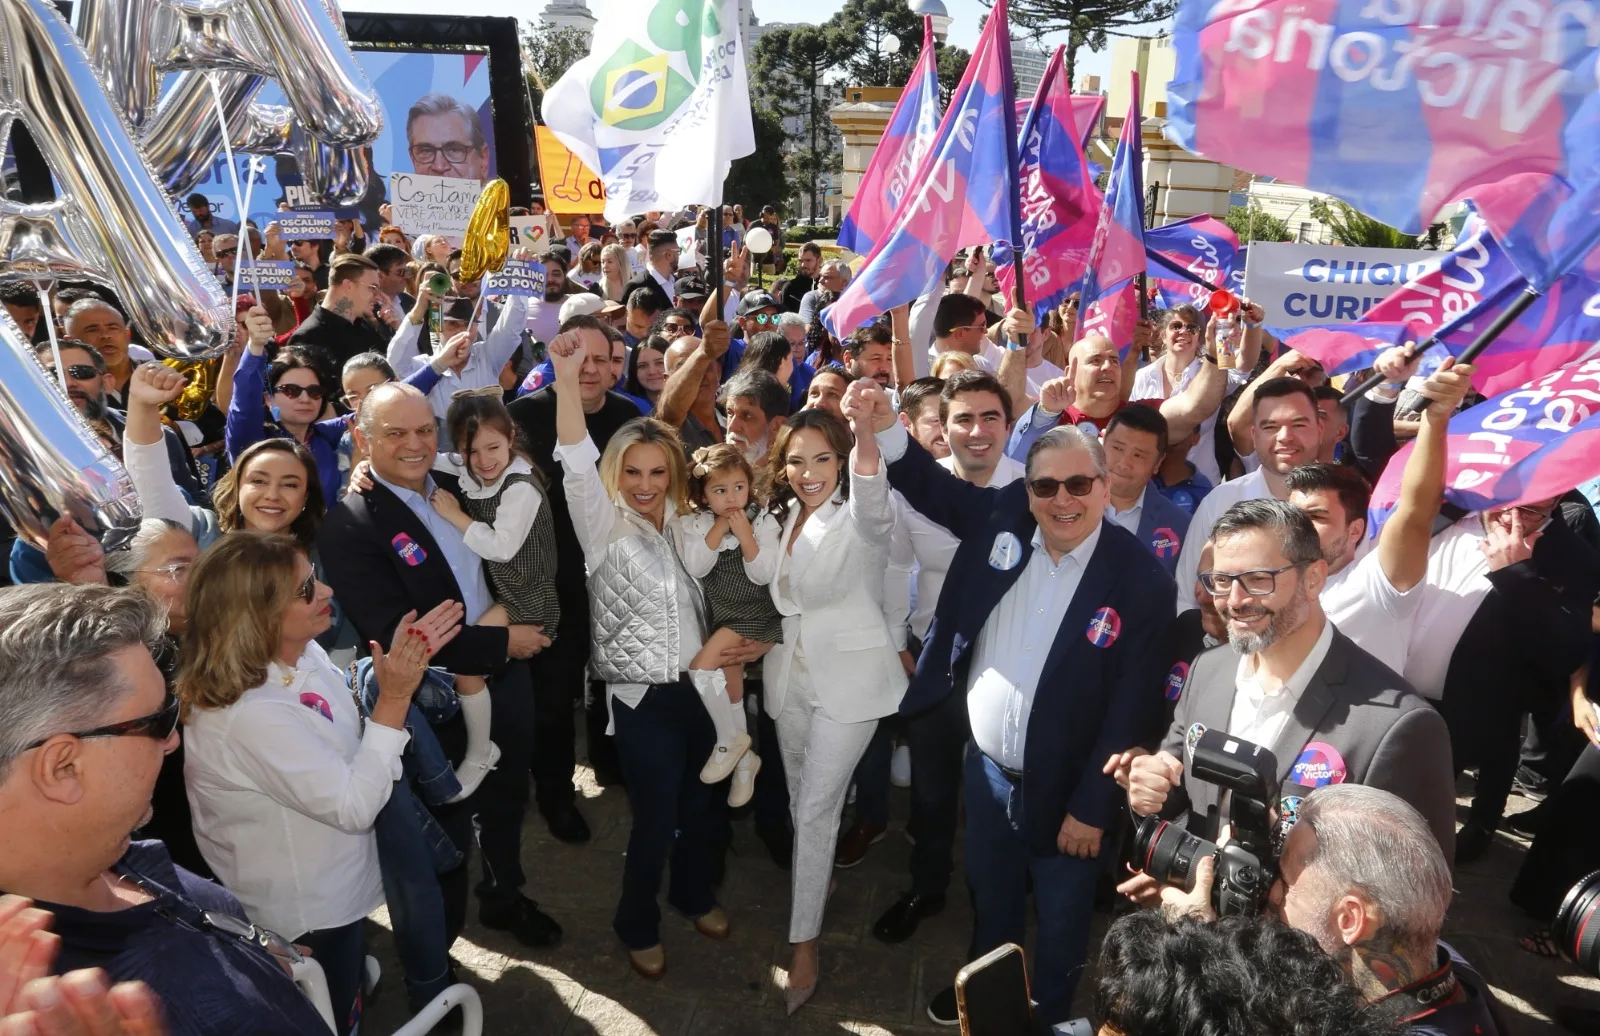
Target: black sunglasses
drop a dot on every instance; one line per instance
(1180, 326)
(1047, 488)
(80, 371)
(307, 591)
(158, 726)
(294, 391)
(227, 251)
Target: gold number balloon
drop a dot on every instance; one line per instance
(488, 237)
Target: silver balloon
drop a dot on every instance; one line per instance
(119, 36)
(183, 139)
(109, 211)
(51, 462)
(339, 175)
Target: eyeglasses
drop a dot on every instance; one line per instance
(295, 391)
(1178, 326)
(981, 325)
(682, 329)
(426, 154)
(168, 904)
(79, 371)
(177, 571)
(1258, 582)
(307, 591)
(158, 726)
(1047, 488)
(226, 252)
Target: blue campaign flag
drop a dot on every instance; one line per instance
(1106, 299)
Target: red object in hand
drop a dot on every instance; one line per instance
(1224, 304)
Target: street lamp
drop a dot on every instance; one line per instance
(891, 46)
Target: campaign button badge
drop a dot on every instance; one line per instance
(410, 550)
(1165, 543)
(1318, 764)
(1006, 553)
(1104, 628)
(1175, 678)
(317, 703)
(1191, 738)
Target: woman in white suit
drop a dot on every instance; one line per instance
(836, 671)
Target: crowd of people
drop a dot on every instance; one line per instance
(410, 535)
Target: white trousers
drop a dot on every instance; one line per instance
(819, 756)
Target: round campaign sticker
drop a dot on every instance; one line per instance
(1006, 552)
(1104, 628)
(1165, 543)
(1318, 765)
(1175, 678)
(317, 703)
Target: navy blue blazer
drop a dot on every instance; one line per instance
(1102, 684)
(1162, 528)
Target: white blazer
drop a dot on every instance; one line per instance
(834, 606)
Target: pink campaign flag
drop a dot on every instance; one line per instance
(1060, 202)
(910, 133)
(1086, 112)
(1110, 305)
(964, 193)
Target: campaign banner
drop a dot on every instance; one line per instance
(570, 187)
(1321, 284)
(433, 204)
(517, 278)
(1189, 258)
(530, 232)
(305, 226)
(267, 274)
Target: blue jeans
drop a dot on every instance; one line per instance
(342, 954)
(998, 865)
(425, 762)
(662, 744)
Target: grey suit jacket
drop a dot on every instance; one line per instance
(1358, 721)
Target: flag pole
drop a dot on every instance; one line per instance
(1013, 164)
(714, 255)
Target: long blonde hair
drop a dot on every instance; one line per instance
(619, 255)
(237, 595)
(647, 431)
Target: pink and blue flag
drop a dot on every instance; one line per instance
(910, 133)
(1060, 202)
(1108, 301)
(1454, 303)
(1399, 108)
(964, 192)
(1190, 258)
(1532, 443)
(1086, 112)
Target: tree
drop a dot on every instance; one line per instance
(760, 178)
(952, 66)
(1357, 229)
(790, 80)
(1256, 224)
(549, 51)
(1087, 22)
(864, 26)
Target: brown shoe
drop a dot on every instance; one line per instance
(853, 844)
(651, 963)
(713, 924)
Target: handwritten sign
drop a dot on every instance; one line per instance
(517, 278)
(569, 185)
(530, 232)
(433, 204)
(305, 226)
(270, 274)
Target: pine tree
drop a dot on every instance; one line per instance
(1088, 23)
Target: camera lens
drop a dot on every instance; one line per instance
(1169, 853)
(1576, 928)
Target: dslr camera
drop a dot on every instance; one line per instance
(1245, 867)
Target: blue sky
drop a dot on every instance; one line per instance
(963, 29)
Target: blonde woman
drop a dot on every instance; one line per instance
(285, 778)
(431, 248)
(614, 271)
(947, 363)
(586, 271)
(648, 623)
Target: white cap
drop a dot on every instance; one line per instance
(585, 304)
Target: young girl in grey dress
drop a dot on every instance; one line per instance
(734, 556)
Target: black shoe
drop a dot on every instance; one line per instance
(1527, 823)
(900, 921)
(1530, 783)
(523, 919)
(942, 1008)
(1472, 841)
(567, 824)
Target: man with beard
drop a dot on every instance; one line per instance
(757, 406)
(99, 324)
(870, 353)
(1328, 711)
(544, 315)
(802, 283)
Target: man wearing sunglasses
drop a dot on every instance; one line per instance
(89, 721)
(1048, 645)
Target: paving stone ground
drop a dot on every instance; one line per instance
(734, 988)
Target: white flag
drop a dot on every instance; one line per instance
(661, 106)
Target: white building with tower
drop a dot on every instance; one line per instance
(569, 14)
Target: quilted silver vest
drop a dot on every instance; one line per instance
(633, 607)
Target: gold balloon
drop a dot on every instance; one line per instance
(488, 237)
(202, 374)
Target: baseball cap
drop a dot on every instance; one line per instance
(755, 300)
(691, 287)
(611, 306)
(584, 304)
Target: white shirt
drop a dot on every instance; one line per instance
(544, 319)
(483, 365)
(284, 786)
(1251, 487)
(1150, 382)
(1130, 518)
(1013, 645)
(933, 545)
(598, 521)
(1260, 713)
(1456, 584)
(1366, 607)
(1037, 375)
(512, 519)
(700, 559)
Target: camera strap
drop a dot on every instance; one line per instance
(1422, 997)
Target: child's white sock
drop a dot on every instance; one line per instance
(476, 710)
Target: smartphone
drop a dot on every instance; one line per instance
(992, 994)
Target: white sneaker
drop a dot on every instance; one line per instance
(723, 759)
(900, 767)
(744, 779)
(472, 771)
